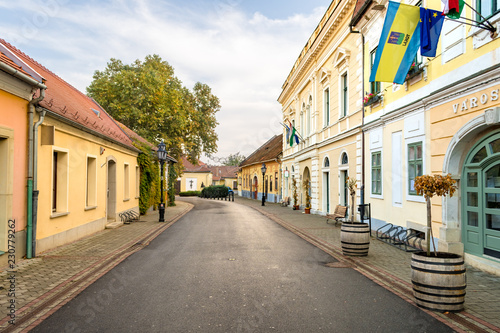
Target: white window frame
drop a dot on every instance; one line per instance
(126, 181)
(62, 204)
(327, 107)
(407, 142)
(7, 180)
(138, 182)
(375, 195)
(343, 103)
(91, 183)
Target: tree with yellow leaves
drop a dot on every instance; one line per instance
(428, 186)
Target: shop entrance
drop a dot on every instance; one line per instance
(481, 199)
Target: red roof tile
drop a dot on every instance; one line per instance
(224, 171)
(6, 60)
(65, 100)
(189, 167)
(269, 151)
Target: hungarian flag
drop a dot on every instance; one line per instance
(292, 136)
(453, 8)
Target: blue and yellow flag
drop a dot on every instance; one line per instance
(398, 45)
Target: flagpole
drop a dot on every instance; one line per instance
(492, 28)
(297, 133)
(473, 25)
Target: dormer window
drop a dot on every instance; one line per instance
(97, 113)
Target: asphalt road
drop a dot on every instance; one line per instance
(226, 268)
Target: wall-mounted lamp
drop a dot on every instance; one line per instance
(102, 150)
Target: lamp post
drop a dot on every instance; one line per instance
(162, 156)
(263, 169)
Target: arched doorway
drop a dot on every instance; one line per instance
(344, 174)
(481, 198)
(306, 177)
(256, 187)
(326, 185)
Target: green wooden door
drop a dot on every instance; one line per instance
(481, 199)
(472, 228)
(492, 211)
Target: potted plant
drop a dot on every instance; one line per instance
(370, 98)
(438, 278)
(354, 236)
(295, 195)
(414, 70)
(306, 186)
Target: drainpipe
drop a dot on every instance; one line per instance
(30, 235)
(363, 121)
(42, 113)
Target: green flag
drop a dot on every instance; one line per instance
(292, 136)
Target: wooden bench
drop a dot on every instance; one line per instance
(338, 215)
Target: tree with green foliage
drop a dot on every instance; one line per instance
(148, 98)
(234, 159)
(149, 180)
(172, 178)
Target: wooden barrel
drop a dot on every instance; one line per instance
(355, 238)
(439, 282)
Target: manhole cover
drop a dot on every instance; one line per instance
(339, 264)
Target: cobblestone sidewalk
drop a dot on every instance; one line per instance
(45, 283)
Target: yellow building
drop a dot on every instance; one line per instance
(225, 175)
(253, 182)
(322, 99)
(18, 83)
(85, 166)
(194, 177)
(444, 119)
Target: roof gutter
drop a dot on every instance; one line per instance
(22, 76)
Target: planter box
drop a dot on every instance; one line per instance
(414, 72)
(373, 100)
(355, 238)
(438, 282)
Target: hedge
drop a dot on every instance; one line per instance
(215, 191)
(190, 194)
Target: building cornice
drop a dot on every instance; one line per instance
(316, 43)
(440, 96)
(317, 146)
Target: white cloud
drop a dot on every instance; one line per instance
(245, 58)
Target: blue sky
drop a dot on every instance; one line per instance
(242, 49)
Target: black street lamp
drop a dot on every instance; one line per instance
(162, 156)
(263, 169)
